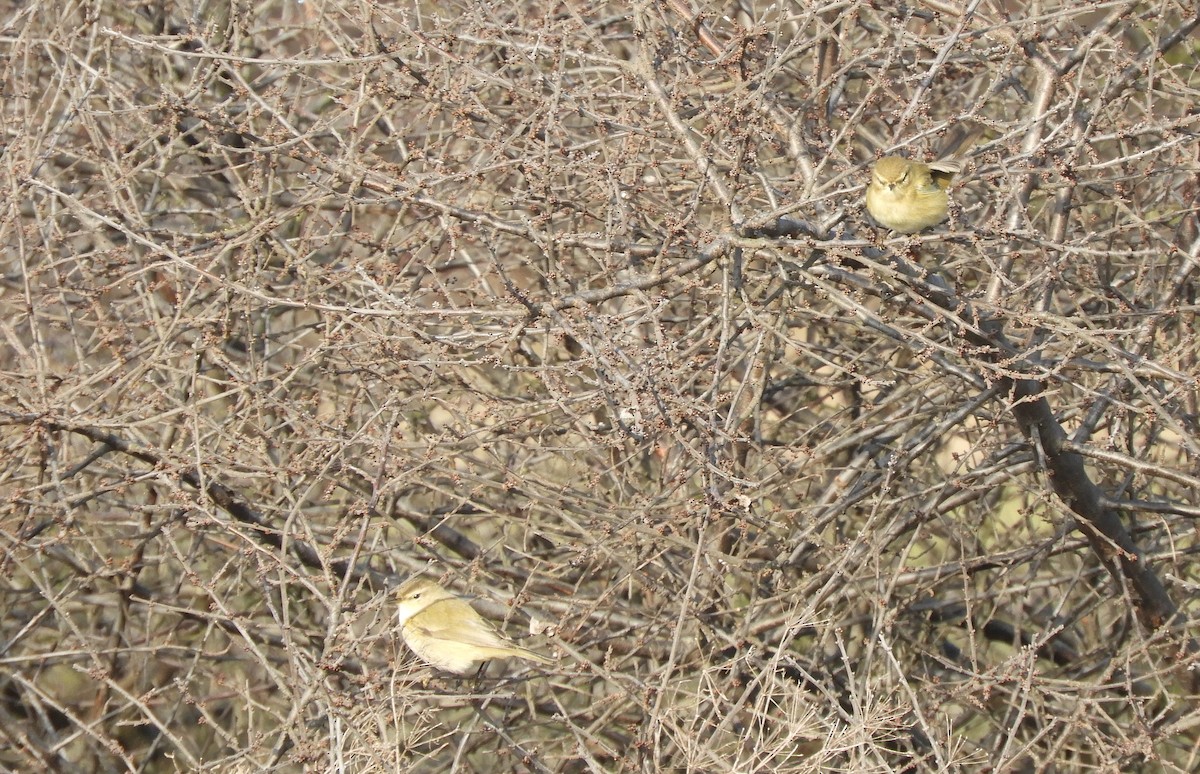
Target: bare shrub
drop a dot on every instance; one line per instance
(577, 309)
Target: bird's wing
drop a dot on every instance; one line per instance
(468, 628)
(942, 172)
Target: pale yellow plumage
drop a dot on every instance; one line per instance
(446, 632)
(908, 196)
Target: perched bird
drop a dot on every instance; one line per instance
(908, 196)
(446, 632)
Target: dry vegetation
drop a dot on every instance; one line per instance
(576, 308)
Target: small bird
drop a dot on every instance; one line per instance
(447, 633)
(908, 196)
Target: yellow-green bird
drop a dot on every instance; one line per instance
(908, 196)
(447, 633)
